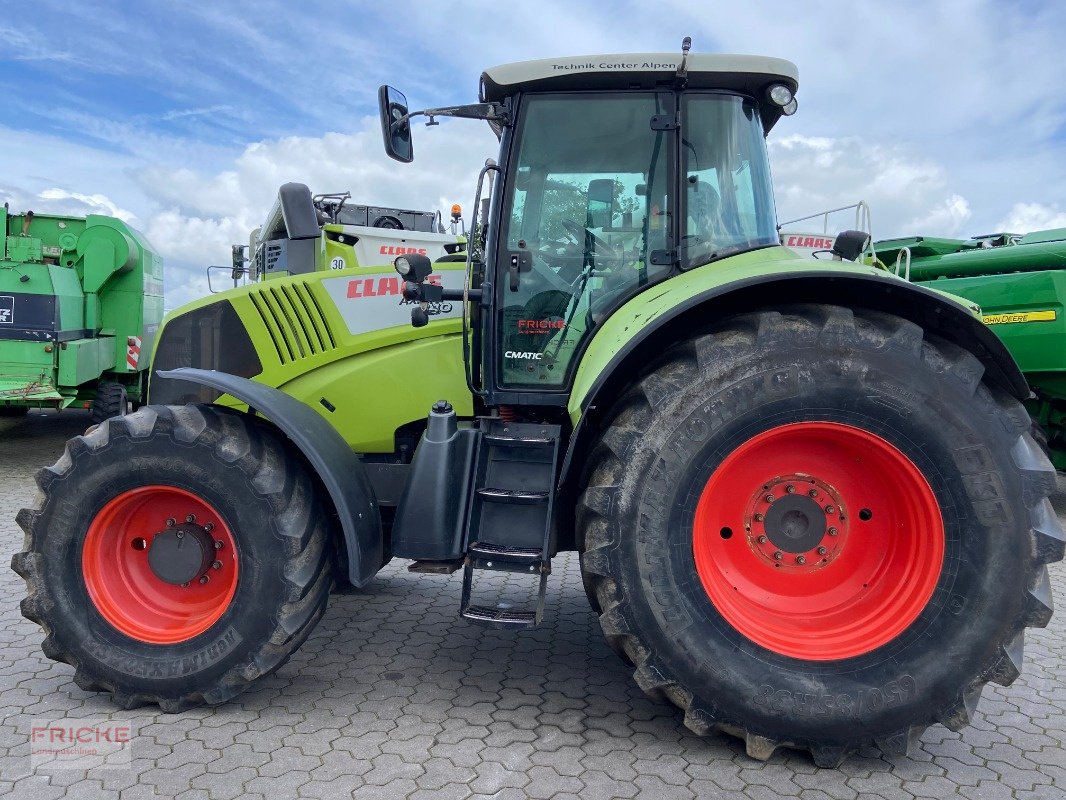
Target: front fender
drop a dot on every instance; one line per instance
(337, 466)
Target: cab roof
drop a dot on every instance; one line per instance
(746, 74)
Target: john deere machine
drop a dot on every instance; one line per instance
(1019, 281)
(80, 304)
(807, 502)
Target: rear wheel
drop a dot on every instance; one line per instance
(175, 556)
(819, 528)
(14, 411)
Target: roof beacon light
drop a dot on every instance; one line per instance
(781, 95)
(457, 211)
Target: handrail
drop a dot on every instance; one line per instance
(899, 256)
(474, 253)
(862, 217)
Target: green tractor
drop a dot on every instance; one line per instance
(807, 502)
(81, 299)
(304, 233)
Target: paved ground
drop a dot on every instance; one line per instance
(394, 697)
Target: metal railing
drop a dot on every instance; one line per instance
(863, 222)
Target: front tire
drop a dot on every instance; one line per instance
(728, 592)
(175, 556)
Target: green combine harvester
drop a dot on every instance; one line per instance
(1020, 284)
(81, 300)
(805, 496)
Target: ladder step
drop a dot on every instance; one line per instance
(482, 551)
(516, 496)
(500, 617)
(517, 441)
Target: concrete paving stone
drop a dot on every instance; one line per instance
(393, 697)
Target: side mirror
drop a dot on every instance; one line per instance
(600, 206)
(395, 127)
(850, 244)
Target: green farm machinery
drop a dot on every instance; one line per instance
(806, 498)
(1019, 281)
(81, 300)
(308, 233)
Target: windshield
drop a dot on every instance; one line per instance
(589, 218)
(728, 197)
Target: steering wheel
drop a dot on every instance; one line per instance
(581, 233)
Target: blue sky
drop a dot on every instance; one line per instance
(948, 117)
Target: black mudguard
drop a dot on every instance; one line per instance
(337, 466)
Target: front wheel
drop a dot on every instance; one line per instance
(175, 556)
(819, 528)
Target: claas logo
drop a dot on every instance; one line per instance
(393, 250)
(385, 286)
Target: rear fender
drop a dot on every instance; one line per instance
(337, 466)
(621, 352)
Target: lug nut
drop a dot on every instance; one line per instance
(218, 545)
(769, 498)
(832, 531)
(758, 517)
(812, 492)
(185, 585)
(790, 488)
(762, 540)
(210, 526)
(801, 560)
(217, 565)
(204, 579)
(778, 555)
(830, 510)
(181, 534)
(171, 522)
(821, 551)
(191, 518)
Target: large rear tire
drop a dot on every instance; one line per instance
(175, 556)
(819, 528)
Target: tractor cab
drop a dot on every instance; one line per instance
(615, 173)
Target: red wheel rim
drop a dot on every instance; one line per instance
(122, 583)
(818, 588)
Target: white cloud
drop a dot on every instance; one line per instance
(907, 194)
(98, 203)
(203, 213)
(1026, 217)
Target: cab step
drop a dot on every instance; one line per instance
(509, 521)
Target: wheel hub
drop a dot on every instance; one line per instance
(181, 554)
(796, 522)
(843, 546)
(160, 564)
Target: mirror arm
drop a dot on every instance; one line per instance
(492, 112)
